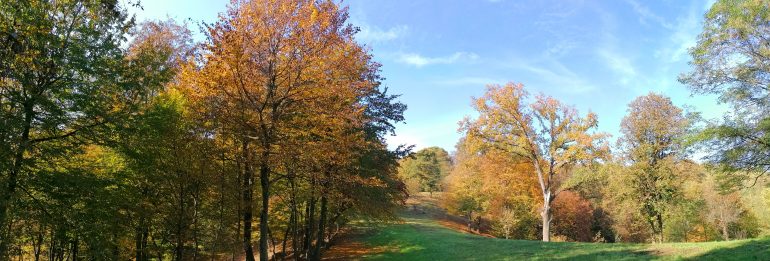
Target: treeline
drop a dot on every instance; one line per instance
(532, 167)
(271, 130)
(647, 190)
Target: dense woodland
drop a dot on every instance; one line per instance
(132, 141)
(123, 140)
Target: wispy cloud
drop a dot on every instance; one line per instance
(420, 61)
(559, 76)
(683, 37)
(646, 15)
(610, 53)
(465, 81)
(618, 63)
(560, 48)
(371, 34)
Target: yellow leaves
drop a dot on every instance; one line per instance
(652, 127)
(314, 14)
(545, 132)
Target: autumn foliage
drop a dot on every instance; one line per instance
(270, 131)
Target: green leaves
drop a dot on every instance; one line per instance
(732, 60)
(427, 167)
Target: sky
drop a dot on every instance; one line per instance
(595, 55)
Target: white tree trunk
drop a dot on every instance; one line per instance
(546, 215)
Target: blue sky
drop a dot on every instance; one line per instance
(595, 55)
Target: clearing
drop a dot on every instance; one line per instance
(427, 233)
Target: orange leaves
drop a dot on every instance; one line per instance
(573, 217)
(653, 128)
(543, 133)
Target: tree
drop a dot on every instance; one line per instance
(277, 74)
(545, 133)
(490, 185)
(722, 207)
(427, 167)
(465, 186)
(150, 150)
(732, 60)
(62, 78)
(652, 143)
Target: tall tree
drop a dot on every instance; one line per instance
(732, 60)
(271, 72)
(545, 133)
(652, 143)
(61, 78)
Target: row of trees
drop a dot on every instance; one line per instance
(523, 150)
(647, 191)
(271, 130)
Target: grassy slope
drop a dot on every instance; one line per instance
(421, 237)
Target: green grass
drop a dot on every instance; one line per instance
(420, 237)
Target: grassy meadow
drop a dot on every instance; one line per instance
(424, 235)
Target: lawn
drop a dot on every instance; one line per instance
(421, 237)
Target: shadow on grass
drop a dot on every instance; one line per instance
(410, 243)
(420, 236)
(419, 252)
(756, 249)
(619, 254)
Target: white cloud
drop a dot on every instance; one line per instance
(560, 48)
(611, 54)
(683, 38)
(371, 34)
(684, 34)
(420, 61)
(557, 75)
(473, 81)
(645, 14)
(619, 64)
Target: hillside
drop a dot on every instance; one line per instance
(425, 234)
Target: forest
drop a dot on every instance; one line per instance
(267, 138)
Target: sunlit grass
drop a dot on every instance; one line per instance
(422, 238)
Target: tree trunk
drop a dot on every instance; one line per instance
(321, 229)
(238, 207)
(295, 239)
(660, 228)
(13, 176)
(725, 232)
(180, 230)
(75, 249)
(141, 240)
(310, 224)
(470, 220)
(546, 216)
(286, 232)
(264, 180)
(248, 202)
(38, 244)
